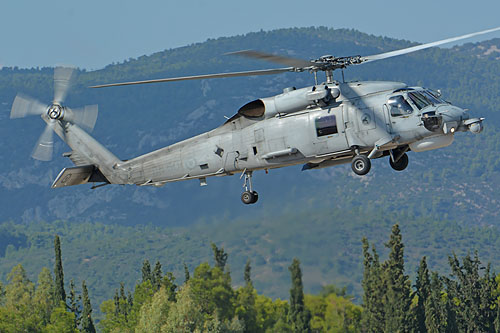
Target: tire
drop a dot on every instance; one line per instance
(361, 165)
(247, 198)
(401, 164)
(255, 197)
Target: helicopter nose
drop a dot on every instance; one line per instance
(452, 117)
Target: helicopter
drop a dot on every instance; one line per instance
(323, 125)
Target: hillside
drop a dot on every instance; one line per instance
(489, 49)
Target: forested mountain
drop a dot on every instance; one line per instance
(445, 201)
(489, 49)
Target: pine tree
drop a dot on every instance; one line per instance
(436, 314)
(186, 273)
(245, 302)
(299, 316)
(74, 301)
(373, 287)
(475, 294)
(44, 298)
(247, 275)
(422, 286)
(60, 293)
(157, 276)
(220, 257)
(397, 297)
(146, 271)
(168, 282)
(87, 323)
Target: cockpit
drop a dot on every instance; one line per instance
(405, 104)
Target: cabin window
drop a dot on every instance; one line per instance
(326, 125)
(398, 106)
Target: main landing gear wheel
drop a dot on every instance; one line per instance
(400, 164)
(361, 165)
(249, 196)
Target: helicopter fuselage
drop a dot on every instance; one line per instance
(373, 119)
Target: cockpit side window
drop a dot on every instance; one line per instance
(326, 125)
(398, 106)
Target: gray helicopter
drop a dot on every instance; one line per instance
(319, 126)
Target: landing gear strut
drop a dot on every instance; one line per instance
(249, 196)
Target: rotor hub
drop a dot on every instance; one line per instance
(55, 112)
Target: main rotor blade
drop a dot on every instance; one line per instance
(424, 46)
(62, 82)
(45, 145)
(26, 106)
(293, 62)
(200, 77)
(85, 117)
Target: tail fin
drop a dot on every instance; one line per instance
(88, 153)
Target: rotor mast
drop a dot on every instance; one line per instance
(329, 76)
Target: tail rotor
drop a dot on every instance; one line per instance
(55, 112)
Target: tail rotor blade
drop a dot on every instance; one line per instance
(26, 106)
(85, 117)
(63, 76)
(45, 145)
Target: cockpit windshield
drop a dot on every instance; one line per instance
(398, 106)
(424, 98)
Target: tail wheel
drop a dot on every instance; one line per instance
(401, 164)
(361, 165)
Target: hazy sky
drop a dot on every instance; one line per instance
(93, 33)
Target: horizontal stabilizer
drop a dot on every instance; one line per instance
(78, 175)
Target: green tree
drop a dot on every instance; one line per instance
(2, 294)
(60, 293)
(475, 294)
(74, 303)
(245, 302)
(422, 291)
(299, 315)
(61, 321)
(247, 275)
(156, 276)
(220, 257)
(87, 325)
(44, 299)
(397, 299)
(186, 273)
(185, 315)
(436, 314)
(16, 314)
(271, 315)
(211, 289)
(373, 319)
(168, 282)
(333, 313)
(146, 271)
(154, 313)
